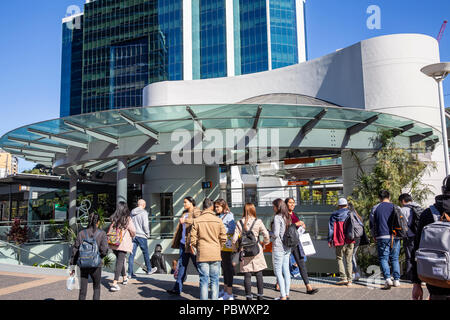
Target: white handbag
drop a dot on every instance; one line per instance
(307, 244)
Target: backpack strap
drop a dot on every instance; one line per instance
(435, 212)
(253, 224)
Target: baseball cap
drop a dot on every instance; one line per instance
(342, 202)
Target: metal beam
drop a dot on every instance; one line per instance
(430, 143)
(24, 151)
(141, 127)
(34, 158)
(140, 163)
(258, 115)
(103, 165)
(357, 128)
(306, 128)
(40, 145)
(93, 133)
(58, 138)
(195, 118)
(420, 137)
(403, 129)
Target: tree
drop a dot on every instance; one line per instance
(39, 169)
(396, 170)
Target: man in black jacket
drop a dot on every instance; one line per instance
(442, 204)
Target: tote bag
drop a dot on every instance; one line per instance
(307, 245)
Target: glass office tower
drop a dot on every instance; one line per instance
(124, 45)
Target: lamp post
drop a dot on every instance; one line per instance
(438, 72)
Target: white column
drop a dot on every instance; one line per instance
(269, 36)
(230, 37)
(122, 180)
(73, 202)
(187, 39)
(301, 30)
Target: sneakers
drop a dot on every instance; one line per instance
(154, 269)
(396, 283)
(173, 292)
(226, 296)
(349, 284)
(388, 284)
(342, 283)
(125, 282)
(313, 291)
(115, 288)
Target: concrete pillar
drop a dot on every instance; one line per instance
(73, 202)
(122, 180)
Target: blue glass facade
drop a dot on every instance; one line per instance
(129, 44)
(213, 39)
(283, 33)
(71, 65)
(253, 32)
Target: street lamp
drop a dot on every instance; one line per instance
(438, 72)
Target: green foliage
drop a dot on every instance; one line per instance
(17, 233)
(67, 233)
(54, 266)
(396, 170)
(107, 262)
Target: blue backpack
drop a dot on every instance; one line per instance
(89, 256)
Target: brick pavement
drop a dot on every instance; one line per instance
(39, 284)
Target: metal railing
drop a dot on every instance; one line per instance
(20, 249)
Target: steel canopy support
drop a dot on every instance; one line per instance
(357, 128)
(258, 115)
(308, 127)
(40, 145)
(141, 127)
(403, 129)
(420, 137)
(195, 118)
(73, 202)
(58, 138)
(93, 133)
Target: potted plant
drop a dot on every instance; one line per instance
(19, 235)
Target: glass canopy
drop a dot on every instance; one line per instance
(40, 142)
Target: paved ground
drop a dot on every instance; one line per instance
(29, 283)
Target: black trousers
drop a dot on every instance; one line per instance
(120, 264)
(408, 246)
(227, 268)
(96, 275)
(248, 283)
(301, 264)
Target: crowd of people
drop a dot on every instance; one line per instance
(215, 241)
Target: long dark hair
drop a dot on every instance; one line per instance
(351, 207)
(282, 210)
(120, 217)
(93, 219)
(223, 204)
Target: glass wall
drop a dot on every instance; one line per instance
(283, 33)
(253, 32)
(111, 26)
(71, 68)
(213, 42)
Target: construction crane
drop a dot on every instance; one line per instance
(441, 32)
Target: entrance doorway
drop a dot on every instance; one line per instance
(166, 206)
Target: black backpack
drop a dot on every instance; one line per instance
(291, 238)
(416, 211)
(399, 224)
(249, 243)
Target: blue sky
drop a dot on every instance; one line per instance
(30, 40)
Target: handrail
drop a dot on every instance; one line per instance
(33, 253)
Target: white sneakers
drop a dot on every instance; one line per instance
(388, 284)
(115, 288)
(226, 296)
(396, 283)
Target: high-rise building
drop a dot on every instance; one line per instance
(122, 46)
(9, 165)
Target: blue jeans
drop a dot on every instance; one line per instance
(209, 275)
(183, 262)
(142, 243)
(280, 261)
(387, 254)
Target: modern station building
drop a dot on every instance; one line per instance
(146, 83)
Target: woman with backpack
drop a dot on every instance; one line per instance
(296, 252)
(253, 262)
(280, 252)
(224, 213)
(120, 240)
(89, 240)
